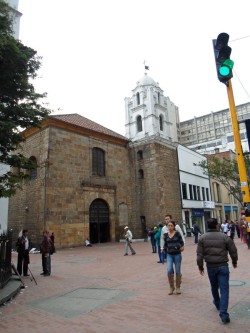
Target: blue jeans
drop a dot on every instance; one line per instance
(196, 238)
(160, 254)
(219, 280)
(174, 260)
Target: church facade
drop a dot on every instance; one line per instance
(89, 182)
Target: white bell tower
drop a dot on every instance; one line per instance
(150, 113)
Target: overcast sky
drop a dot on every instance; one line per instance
(93, 53)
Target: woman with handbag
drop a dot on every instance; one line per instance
(174, 245)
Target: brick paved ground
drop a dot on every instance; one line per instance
(99, 290)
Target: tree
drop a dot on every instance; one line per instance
(225, 171)
(20, 106)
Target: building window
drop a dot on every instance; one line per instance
(195, 193)
(159, 98)
(198, 193)
(33, 170)
(207, 194)
(191, 192)
(184, 191)
(141, 174)
(203, 193)
(138, 98)
(98, 162)
(139, 124)
(161, 122)
(140, 155)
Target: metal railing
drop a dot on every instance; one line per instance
(5, 258)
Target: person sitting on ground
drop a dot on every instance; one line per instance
(87, 243)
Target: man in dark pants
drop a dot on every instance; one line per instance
(45, 250)
(214, 247)
(23, 246)
(196, 231)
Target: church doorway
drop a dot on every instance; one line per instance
(99, 222)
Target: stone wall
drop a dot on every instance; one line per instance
(60, 197)
(158, 192)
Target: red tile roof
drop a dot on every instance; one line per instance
(78, 120)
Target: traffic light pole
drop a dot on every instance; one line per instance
(238, 148)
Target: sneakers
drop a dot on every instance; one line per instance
(125, 254)
(133, 253)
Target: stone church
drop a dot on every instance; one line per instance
(89, 182)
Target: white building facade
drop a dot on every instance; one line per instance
(4, 202)
(150, 113)
(197, 205)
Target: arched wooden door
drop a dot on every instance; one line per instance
(99, 222)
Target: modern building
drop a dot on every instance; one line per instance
(5, 168)
(197, 204)
(214, 131)
(13, 4)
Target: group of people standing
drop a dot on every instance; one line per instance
(24, 245)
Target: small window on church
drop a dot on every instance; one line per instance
(159, 98)
(138, 98)
(140, 155)
(139, 124)
(141, 174)
(33, 170)
(161, 122)
(98, 162)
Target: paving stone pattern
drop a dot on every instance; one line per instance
(97, 289)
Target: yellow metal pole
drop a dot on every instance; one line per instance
(238, 147)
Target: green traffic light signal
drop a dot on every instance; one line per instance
(224, 64)
(226, 68)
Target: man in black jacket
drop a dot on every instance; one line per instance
(23, 246)
(196, 231)
(214, 247)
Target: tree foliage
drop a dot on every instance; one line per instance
(225, 171)
(20, 105)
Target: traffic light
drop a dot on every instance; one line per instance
(224, 65)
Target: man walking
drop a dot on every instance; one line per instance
(214, 247)
(128, 239)
(196, 231)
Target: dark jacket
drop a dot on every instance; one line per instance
(173, 244)
(20, 244)
(214, 247)
(46, 245)
(195, 229)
